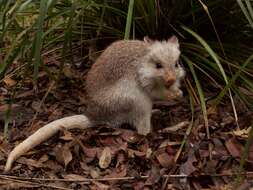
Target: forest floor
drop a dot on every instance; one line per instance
(106, 158)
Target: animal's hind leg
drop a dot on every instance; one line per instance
(142, 116)
(143, 125)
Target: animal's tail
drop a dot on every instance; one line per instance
(45, 132)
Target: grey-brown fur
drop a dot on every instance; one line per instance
(122, 84)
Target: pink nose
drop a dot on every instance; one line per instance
(170, 78)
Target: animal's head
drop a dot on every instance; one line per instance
(160, 66)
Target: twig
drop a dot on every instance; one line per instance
(175, 127)
(32, 183)
(126, 178)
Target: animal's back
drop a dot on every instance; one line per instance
(116, 62)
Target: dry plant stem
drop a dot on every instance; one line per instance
(247, 174)
(196, 99)
(175, 127)
(71, 122)
(34, 183)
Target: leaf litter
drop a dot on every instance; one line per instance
(106, 158)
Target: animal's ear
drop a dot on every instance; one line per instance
(173, 39)
(146, 39)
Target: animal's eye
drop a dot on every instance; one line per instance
(158, 65)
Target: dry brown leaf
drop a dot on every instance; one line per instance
(234, 147)
(242, 133)
(139, 185)
(67, 135)
(121, 158)
(44, 158)
(30, 162)
(165, 159)
(9, 81)
(94, 173)
(132, 153)
(188, 168)
(175, 127)
(168, 142)
(227, 120)
(36, 105)
(105, 158)
(25, 94)
(90, 153)
(100, 186)
(63, 154)
(53, 165)
(108, 141)
(219, 151)
(130, 136)
(74, 177)
(154, 176)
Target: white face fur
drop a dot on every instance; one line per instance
(160, 66)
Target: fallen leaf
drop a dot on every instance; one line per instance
(176, 127)
(9, 81)
(94, 173)
(74, 177)
(30, 162)
(130, 136)
(227, 120)
(53, 165)
(132, 153)
(139, 185)
(100, 186)
(234, 147)
(63, 154)
(108, 141)
(242, 133)
(121, 158)
(118, 172)
(188, 168)
(44, 158)
(105, 158)
(154, 176)
(67, 135)
(165, 159)
(219, 152)
(36, 106)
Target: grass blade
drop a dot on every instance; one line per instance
(129, 19)
(67, 37)
(232, 80)
(39, 38)
(245, 12)
(217, 61)
(200, 92)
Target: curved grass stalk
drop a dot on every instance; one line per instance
(247, 14)
(217, 61)
(232, 80)
(200, 92)
(129, 19)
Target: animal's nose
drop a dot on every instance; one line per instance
(169, 78)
